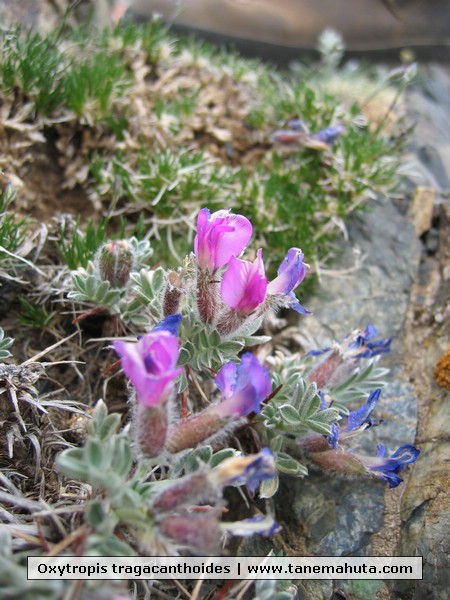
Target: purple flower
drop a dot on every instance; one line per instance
(170, 324)
(329, 135)
(249, 470)
(150, 364)
(357, 344)
(369, 349)
(358, 464)
(389, 468)
(244, 284)
(298, 125)
(291, 273)
(220, 236)
(361, 418)
(333, 438)
(243, 387)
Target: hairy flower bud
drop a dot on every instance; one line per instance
(151, 424)
(115, 261)
(198, 531)
(380, 466)
(207, 296)
(192, 489)
(173, 293)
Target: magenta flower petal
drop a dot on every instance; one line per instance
(220, 236)
(150, 365)
(244, 284)
(244, 387)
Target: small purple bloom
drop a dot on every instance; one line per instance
(220, 236)
(329, 135)
(368, 349)
(244, 284)
(170, 324)
(361, 418)
(323, 401)
(246, 470)
(357, 345)
(243, 387)
(333, 438)
(150, 364)
(298, 125)
(389, 468)
(291, 273)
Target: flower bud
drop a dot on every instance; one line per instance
(243, 388)
(115, 261)
(151, 423)
(198, 531)
(207, 296)
(195, 430)
(193, 489)
(173, 293)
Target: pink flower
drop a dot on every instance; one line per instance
(220, 236)
(150, 364)
(244, 284)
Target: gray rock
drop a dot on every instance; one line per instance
(378, 292)
(426, 511)
(335, 516)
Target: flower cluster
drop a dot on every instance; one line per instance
(298, 133)
(328, 453)
(220, 298)
(186, 512)
(150, 366)
(242, 293)
(340, 359)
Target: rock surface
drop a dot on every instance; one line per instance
(402, 286)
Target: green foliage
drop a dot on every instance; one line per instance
(14, 581)
(141, 291)
(366, 377)
(364, 589)
(152, 36)
(77, 248)
(90, 288)
(5, 343)
(205, 348)
(272, 589)
(33, 64)
(191, 460)
(293, 198)
(294, 412)
(94, 76)
(95, 83)
(300, 414)
(13, 230)
(105, 462)
(34, 315)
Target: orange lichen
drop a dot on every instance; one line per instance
(442, 370)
